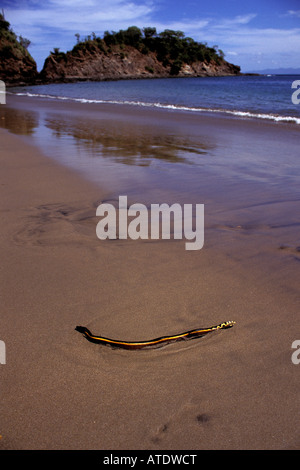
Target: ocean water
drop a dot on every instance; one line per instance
(266, 97)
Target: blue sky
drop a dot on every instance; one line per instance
(256, 34)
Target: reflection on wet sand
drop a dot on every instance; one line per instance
(126, 143)
(19, 121)
(121, 142)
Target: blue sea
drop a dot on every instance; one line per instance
(267, 97)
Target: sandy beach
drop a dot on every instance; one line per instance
(233, 389)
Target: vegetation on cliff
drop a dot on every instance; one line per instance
(16, 64)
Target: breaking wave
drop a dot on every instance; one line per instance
(239, 113)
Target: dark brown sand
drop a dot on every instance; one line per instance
(234, 389)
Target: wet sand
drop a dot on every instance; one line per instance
(234, 389)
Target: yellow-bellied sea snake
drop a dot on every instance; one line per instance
(157, 342)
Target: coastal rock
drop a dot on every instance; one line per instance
(18, 70)
(123, 63)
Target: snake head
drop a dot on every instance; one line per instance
(83, 330)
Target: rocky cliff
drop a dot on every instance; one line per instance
(17, 67)
(128, 63)
(132, 54)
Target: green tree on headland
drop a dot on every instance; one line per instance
(149, 32)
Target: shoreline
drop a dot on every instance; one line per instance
(214, 113)
(61, 392)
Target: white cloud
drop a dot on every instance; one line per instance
(268, 40)
(234, 22)
(78, 15)
(206, 25)
(294, 13)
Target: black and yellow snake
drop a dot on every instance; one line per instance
(157, 342)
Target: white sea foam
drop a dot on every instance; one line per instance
(243, 114)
